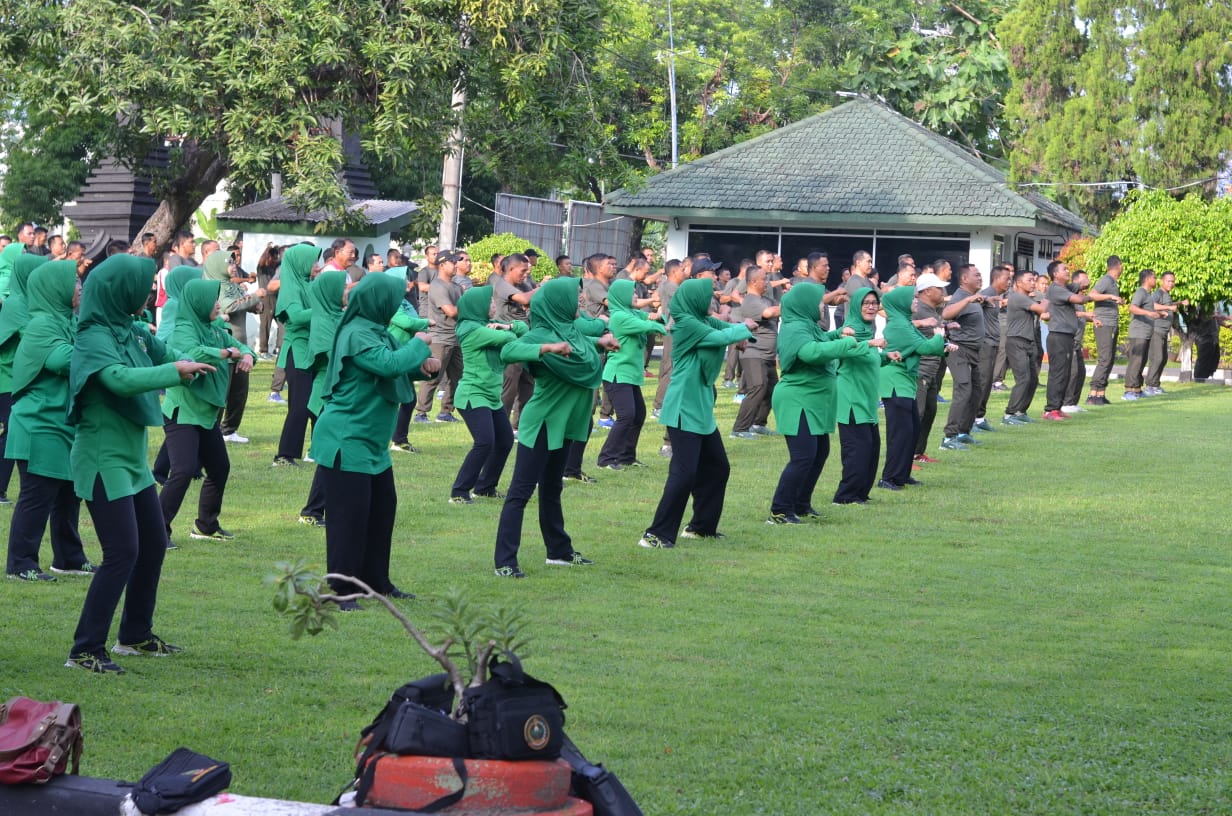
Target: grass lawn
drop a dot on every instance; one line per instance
(1043, 627)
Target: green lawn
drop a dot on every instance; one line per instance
(1042, 628)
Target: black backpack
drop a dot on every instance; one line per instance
(513, 715)
(183, 778)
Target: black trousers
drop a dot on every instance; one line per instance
(266, 320)
(1105, 349)
(760, 378)
(295, 426)
(860, 447)
(1157, 357)
(988, 361)
(44, 498)
(620, 447)
(542, 468)
(1077, 372)
(133, 537)
(699, 468)
(964, 366)
(665, 372)
(902, 431)
(485, 461)
(1023, 362)
(6, 464)
(517, 387)
(576, 451)
(806, 457)
(361, 508)
(1001, 364)
(1137, 361)
(189, 448)
(1060, 361)
(733, 367)
(315, 505)
(451, 370)
(927, 388)
(237, 400)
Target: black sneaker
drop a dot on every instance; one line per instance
(574, 559)
(461, 499)
(580, 477)
(4, 499)
(809, 513)
(653, 542)
(85, 569)
(493, 494)
(99, 664)
(783, 518)
(284, 461)
(32, 575)
(509, 572)
(689, 532)
(348, 606)
(399, 595)
(884, 485)
(218, 535)
(154, 646)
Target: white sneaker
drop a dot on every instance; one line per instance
(236, 438)
(1070, 409)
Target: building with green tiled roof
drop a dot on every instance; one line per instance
(858, 176)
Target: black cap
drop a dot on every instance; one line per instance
(449, 256)
(704, 265)
(531, 252)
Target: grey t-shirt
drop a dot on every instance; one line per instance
(852, 284)
(1062, 318)
(594, 297)
(767, 332)
(1020, 320)
(930, 364)
(1106, 310)
(1163, 324)
(507, 309)
(667, 290)
(1140, 326)
(992, 316)
(442, 292)
(425, 274)
(970, 320)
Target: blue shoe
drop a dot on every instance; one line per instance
(952, 443)
(422, 418)
(941, 399)
(605, 423)
(983, 425)
(968, 439)
(1131, 396)
(445, 416)
(739, 398)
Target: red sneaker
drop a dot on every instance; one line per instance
(926, 459)
(1055, 416)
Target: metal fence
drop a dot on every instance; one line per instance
(540, 221)
(543, 222)
(590, 232)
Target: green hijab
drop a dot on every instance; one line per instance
(15, 314)
(325, 298)
(194, 327)
(370, 306)
(620, 297)
(798, 324)
(691, 314)
(553, 312)
(864, 330)
(294, 278)
(173, 285)
(115, 290)
(900, 333)
(473, 309)
(49, 297)
(215, 267)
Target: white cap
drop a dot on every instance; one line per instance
(928, 281)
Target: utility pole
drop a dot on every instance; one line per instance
(671, 80)
(451, 177)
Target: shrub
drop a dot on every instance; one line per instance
(506, 243)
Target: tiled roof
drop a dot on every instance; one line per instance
(377, 211)
(859, 158)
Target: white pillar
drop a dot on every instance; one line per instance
(980, 253)
(677, 239)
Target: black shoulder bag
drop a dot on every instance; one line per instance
(513, 715)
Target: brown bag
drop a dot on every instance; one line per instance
(37, 740)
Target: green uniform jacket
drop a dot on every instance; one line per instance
(699, 344)
(564, 386)
(900, 379)
(406, 324)
(114, 368)
(805, 399)
(201, 401)
(858, 374)
(38, 433)
(294, 311)
(15, 315)
(630, 327)
(483, 373)
(368, 377)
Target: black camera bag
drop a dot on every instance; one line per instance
(513, 715)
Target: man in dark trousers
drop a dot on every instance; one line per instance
(1062, 328)
(1141, 326)
(966, 308)
(994, 339)
(441, 306)
(1107, 297)
(759, 359)
(1020, 339)
(1157, 356)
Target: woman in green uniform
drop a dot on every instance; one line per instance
(192, 411)
(699, 466)
(295, 314)
(174, 286)
(804, 400)
(39, 438)
(115, 373)
(478, 397)
(369, 375)
(13, 317)
(858, 379)
(406, 323)
(326, 294)
(560, 352)
(898, 386)
(624, 374)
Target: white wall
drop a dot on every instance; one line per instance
(677, 245)
(255, 243)
(981, 253)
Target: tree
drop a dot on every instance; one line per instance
(241, 90)
(1112, 91)
(47, 158)
(1191, 237)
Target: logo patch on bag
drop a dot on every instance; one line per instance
(538, 732)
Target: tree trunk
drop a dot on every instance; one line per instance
(201, 172)
(635, 238)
